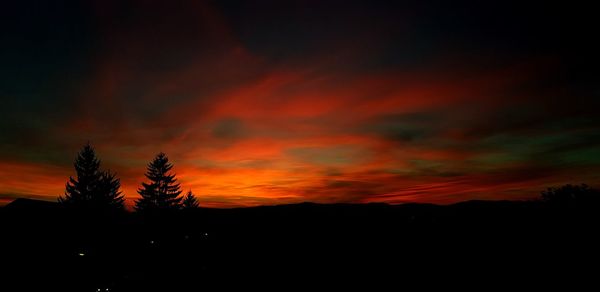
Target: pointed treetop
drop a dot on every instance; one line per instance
(190, 201)
(92, 188)
(162, 192)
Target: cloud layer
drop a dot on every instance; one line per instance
(270, 103)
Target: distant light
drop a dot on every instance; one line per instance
(205, 234)
(151, 241)
(98, 289)
(81, 254)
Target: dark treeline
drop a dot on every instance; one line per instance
(95, 190)
(87, 243)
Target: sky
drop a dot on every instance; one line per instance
(276, 102)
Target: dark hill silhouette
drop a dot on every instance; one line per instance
(493, 241)
(29, 205)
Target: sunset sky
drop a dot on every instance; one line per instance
(274, 102)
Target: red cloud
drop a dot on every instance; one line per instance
(243, 129)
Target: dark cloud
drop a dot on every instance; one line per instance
(340, 156)
(262, 102)
(411, 127)
(229, 128)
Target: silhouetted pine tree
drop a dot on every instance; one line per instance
(162, 193)
(190, 201)
(79, 191)
(109, 195)
(92, 188)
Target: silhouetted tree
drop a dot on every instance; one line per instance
(190, 201)
(79, 190)
(162, 193)
(109, 195)
(92, 188)
(571, 195)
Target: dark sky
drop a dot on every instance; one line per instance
(267, 102)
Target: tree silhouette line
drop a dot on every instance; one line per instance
(572, 196)
(94, 189)
(99, 190)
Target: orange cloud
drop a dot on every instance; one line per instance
(29, 179)
(246, 128)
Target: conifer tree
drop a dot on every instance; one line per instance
(92, 188)
(190, 201)
(162, 192)
(79, 190)
(109, 195)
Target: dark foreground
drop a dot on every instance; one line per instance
(484, 244)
